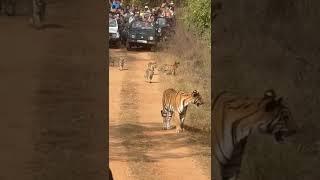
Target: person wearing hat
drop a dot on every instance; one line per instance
(115, 4)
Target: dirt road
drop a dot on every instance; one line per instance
(138, 148)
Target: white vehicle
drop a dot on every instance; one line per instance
(114, 35)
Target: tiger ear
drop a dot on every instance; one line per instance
(269, 94)
(195, 93)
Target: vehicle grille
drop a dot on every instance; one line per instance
(142, 37)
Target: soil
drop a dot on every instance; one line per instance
(52, 80)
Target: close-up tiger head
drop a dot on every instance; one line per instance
(197, 98)
(279, 121)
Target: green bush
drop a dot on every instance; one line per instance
(197, 16)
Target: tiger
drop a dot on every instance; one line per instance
(112, 61)
(149, 74)
(170, 68)
(121, 63)
(175, 104)
(38, 13)
(235, 117)
(152, 64)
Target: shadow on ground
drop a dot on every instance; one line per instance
(138, 144)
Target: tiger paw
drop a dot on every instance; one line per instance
(178, 130)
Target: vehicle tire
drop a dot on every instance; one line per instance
(118, 44)
(123, 42)
(153, 48)
(128, 45)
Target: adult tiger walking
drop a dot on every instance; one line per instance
(235, 117)
(175, 104)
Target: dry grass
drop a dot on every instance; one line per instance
(193, 73)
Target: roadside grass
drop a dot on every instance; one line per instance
(193, 73)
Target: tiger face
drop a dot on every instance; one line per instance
(152, 65)
(197, 98)
(280, 123)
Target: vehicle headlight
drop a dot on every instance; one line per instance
(133, 36)
(151, 38)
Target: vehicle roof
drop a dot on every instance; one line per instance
(140, 21)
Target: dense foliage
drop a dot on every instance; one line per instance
(198, 16)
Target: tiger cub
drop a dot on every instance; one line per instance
(121, 63)
(170, 68)
(175, 104)
(112, 61)
(152, 64)
(149, 74)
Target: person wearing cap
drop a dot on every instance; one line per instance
(115, 4)
(146, 8)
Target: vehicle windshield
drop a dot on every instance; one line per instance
(112, 23)
(162, 21)
(141, 25)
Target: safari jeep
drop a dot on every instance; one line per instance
(141, 34)
(114, 35)
(164, 28)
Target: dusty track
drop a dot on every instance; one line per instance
(138, 148)
(52, 87)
